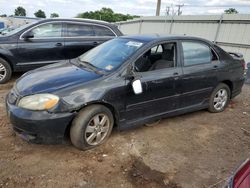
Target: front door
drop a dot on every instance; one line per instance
(161, 87)
(44, 48)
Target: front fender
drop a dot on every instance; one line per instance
(7, 55)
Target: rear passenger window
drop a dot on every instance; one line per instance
(78, 30)
(103, 31)
(196, 53)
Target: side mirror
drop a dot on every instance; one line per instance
(28, 35)
(137, 86)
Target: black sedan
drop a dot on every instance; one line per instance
(127, 81)
(49, 41)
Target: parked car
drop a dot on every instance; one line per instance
(49, 41)
(4, 31)
(127, 81)
(241, 177)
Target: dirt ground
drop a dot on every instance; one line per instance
(199, 149)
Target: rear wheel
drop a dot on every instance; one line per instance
(219, 99)
(91, 127)
(5, 71)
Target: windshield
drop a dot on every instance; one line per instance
(12, 32)
(110, 55)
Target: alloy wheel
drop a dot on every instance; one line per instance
(220, 99)
(97, 129)
(3, 72)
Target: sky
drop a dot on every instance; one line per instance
(70, 8)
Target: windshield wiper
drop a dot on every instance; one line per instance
(90, 66)
(87, 64)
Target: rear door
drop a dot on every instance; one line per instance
(81, 37)
(200, 70)
(45, 47)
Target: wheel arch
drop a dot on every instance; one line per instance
(229, 84)
(106, 104)
(7, 59)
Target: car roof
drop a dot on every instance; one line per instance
(77, 20)
(157, 37)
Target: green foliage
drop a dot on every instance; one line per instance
(3, 15)
(106, 14)
(54, 15)
(20, 11)
(231, 11)
(40, 14)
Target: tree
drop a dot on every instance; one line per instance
(40, 14)
(231, 11)
(20, 11)
(106, 14)
(3, 15)
(54, 15)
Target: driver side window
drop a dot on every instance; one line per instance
(48, 30)
(161, 56)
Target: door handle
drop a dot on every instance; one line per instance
(96, 43)
(215, 66)
(157, 82)
(58, 44)
(176, 77)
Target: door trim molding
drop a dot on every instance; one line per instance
(37, 62)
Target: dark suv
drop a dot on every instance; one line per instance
(48, 41)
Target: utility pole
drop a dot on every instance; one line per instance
(167, 10)
(158, 8)
(179, 12)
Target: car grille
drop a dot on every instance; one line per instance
(13, 96)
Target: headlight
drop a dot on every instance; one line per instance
(39, 102)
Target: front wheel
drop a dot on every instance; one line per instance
(219, 99)
(91, 127)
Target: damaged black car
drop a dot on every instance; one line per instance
(125, 82)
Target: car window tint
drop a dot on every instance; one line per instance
(75, 30)
(151, 61)
(48, 30)
(103, 31)
(196, 53)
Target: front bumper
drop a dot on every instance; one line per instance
(38, 126)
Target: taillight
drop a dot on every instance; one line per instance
(243, 63)
(242, 176)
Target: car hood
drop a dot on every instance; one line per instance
(54, 77)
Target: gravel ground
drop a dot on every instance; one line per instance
(199, 149)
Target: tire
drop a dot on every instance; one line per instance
(5, 71)
(88, 124)
(219, 101)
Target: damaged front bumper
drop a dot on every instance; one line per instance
(39, 126)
